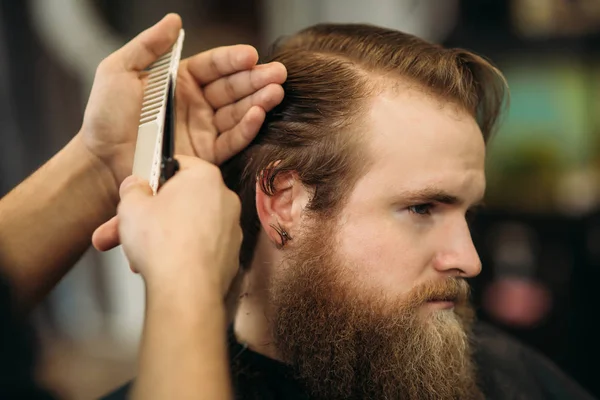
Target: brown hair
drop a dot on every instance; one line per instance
(332, 70)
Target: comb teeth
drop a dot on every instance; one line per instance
(155, 94)
(148, 151)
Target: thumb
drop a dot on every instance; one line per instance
(133, 182)
(106, 236)
(149, 45)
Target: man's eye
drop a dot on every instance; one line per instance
(421, 209)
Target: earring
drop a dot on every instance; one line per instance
(283, 235)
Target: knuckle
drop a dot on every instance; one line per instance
(102, 67)
(235, 201)
(239, 233)
(205, 170)
(213, 174)
(128, 208)
(229, 88)
(213, 171)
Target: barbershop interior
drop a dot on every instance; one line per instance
(538, 234)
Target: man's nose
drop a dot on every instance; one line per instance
(457, 255)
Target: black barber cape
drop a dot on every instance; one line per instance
(508, 370)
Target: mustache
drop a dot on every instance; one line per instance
(456, 290)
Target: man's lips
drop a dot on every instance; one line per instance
(442, 302)
(443, 294)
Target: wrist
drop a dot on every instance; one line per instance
(185, 307)
(179, 288)
(99, 171)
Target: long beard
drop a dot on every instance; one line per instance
(344, 344)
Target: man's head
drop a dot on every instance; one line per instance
(354, 198)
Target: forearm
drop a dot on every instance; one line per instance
(47, 221)
(184, 348)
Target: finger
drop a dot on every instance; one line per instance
(148, 46)
(106, 237)
(134, 192)
(213, 64)
(189, 162)
(266, 98)
(194, 122)
(192, 171)
(231, 88)
(235, 140)
(133, 269)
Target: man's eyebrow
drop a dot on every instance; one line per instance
(431, 195)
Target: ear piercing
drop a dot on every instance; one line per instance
(283, 235)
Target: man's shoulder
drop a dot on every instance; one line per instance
(505, 364)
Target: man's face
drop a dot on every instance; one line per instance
(404, 224)
(369, 304)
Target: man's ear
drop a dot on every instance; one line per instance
(280, 212)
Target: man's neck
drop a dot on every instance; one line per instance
(251, 324)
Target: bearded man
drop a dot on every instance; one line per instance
(356, 246)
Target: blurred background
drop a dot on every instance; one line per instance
(538, 237)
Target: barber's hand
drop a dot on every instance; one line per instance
(188, 232)
(222, 97)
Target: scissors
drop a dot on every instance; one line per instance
(169, 165)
